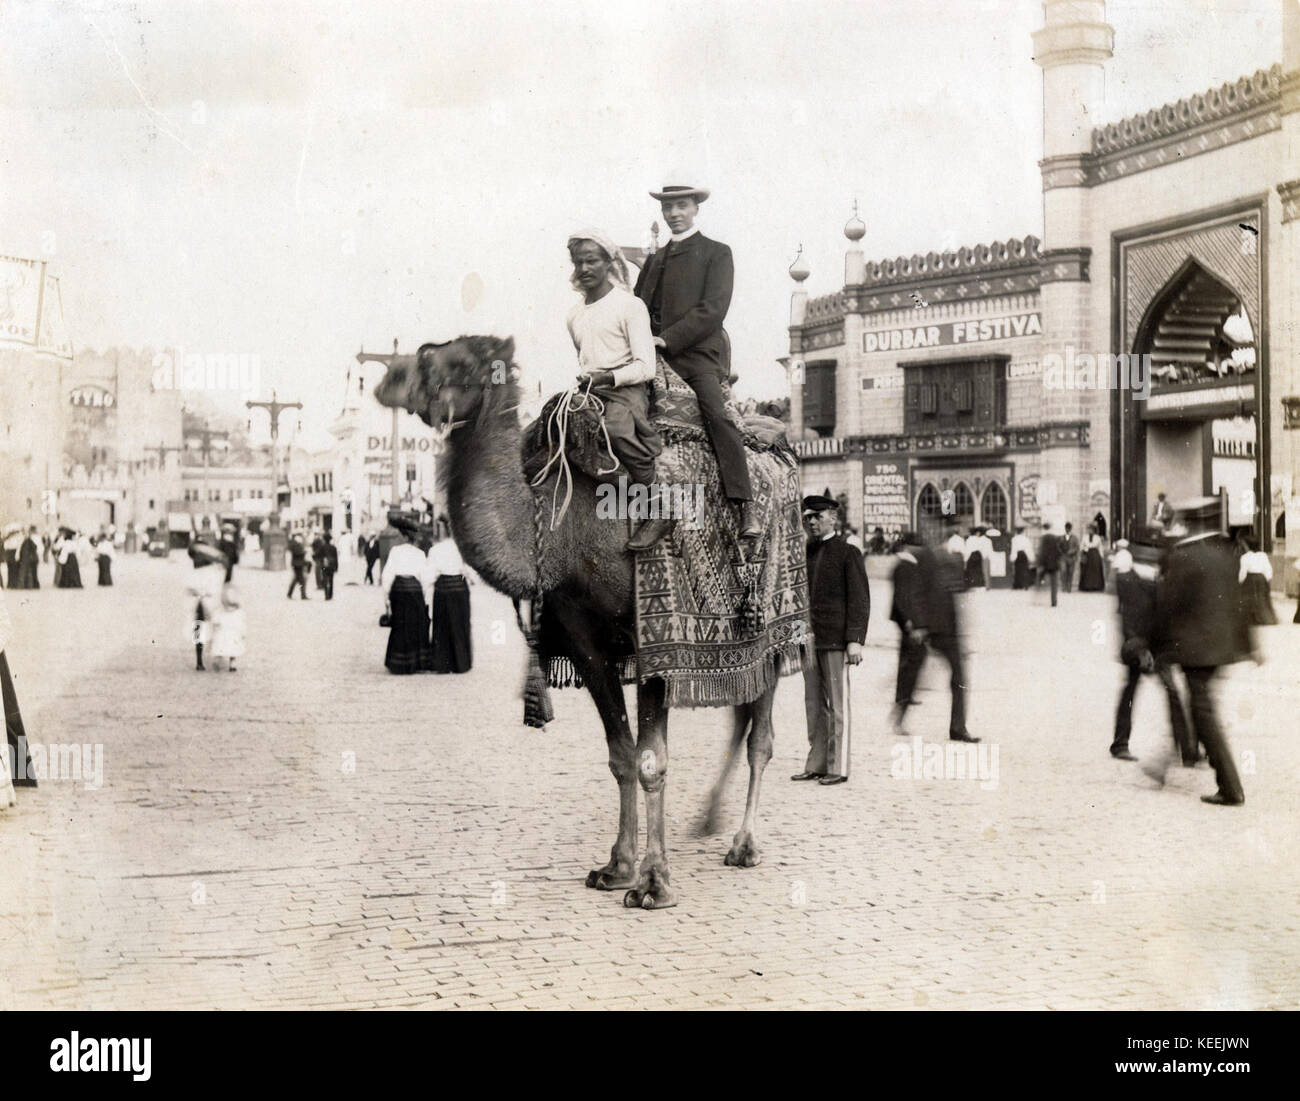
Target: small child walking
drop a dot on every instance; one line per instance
(228, 628)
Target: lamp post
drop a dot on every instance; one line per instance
(207, 435)
(274, 543)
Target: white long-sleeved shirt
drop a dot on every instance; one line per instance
(1255, 562)
(445, 560)
(613, 334)
(1021, 543)
(406, 560)
(956, 545)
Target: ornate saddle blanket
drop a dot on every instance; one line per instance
(674, 411)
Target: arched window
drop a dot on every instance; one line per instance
(963, 502)
(928, 503)
(993, 508)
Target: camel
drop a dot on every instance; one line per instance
(467, 389)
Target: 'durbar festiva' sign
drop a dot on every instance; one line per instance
(970, 331)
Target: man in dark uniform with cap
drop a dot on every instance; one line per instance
(926, 613)
(686, 285)
(839, 604)
(1200, 625)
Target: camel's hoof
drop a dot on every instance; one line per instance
(604, 880)
(709, 825)
(659, 896)
(632, 900)
(743, 855)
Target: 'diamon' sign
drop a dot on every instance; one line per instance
(409, 443)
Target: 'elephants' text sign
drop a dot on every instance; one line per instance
(885, 501)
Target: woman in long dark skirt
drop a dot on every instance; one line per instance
(1255, 574)
(69, 567)
(104, 556)
(405, 580)
(452, 649)
(29, 557)
(1022, 576)
(1092, 574)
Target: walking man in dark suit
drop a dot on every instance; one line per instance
(839, 604)
(1201, 625)
(372, 557)
(1069, 557)
(686, 286)
(1135, 590)
(1049, 558)
(327, 564)
(926, 613)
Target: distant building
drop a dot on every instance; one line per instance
(1003, 384)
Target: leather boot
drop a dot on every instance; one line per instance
(750, 526)
(649, 533)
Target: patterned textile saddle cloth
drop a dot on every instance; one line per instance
(674, 412)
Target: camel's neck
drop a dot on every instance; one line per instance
(490, 501)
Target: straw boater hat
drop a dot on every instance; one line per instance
(681, 191)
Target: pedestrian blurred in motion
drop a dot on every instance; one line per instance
(203, 593)
(298, 560)
(1092, 571)
(839, 607)
(1049, 558)
(318, 560)
(925, 609)
(327, 565)
(1021, 560)
(1200, 625)
(452, 649)
(69, 570)
(13, 539)
(372, 557)
(406, 581)
(16, 764)
(229, 546)
(228, 627)
(1255, 574)
(104, 556)
(1136, 572)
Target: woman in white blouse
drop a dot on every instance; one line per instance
(1255, 574)
(452, 649)
(406, 580)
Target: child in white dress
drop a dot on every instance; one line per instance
(228, 628)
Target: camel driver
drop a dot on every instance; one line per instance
(616, 353)
(687, 286)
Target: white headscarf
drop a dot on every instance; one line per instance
(618, 267)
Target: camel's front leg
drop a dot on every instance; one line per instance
(744, 850)
(712, 821)
(603, 683)
(652, 891)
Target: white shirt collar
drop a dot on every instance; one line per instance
(682, 236)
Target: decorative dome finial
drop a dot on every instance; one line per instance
(855, 228)
(799, 270)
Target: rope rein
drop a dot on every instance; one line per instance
(557, 429)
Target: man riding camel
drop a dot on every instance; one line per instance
(687, 287)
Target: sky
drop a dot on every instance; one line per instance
(292, 180)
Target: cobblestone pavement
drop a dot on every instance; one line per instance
(232, 857)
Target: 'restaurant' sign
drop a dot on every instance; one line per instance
(969, 331)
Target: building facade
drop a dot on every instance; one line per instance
(1146, 344)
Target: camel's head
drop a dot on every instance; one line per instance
(449, 384)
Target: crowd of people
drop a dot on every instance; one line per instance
(1188, 600)
(73, 554)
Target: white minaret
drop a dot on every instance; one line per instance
(1072, 48)
(855, 263)
(799, 271)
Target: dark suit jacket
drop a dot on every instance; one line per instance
(1200, 620)
(1137, 614)
(697, 281)
(1049, 552)
(923, 594)
(838, 595)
